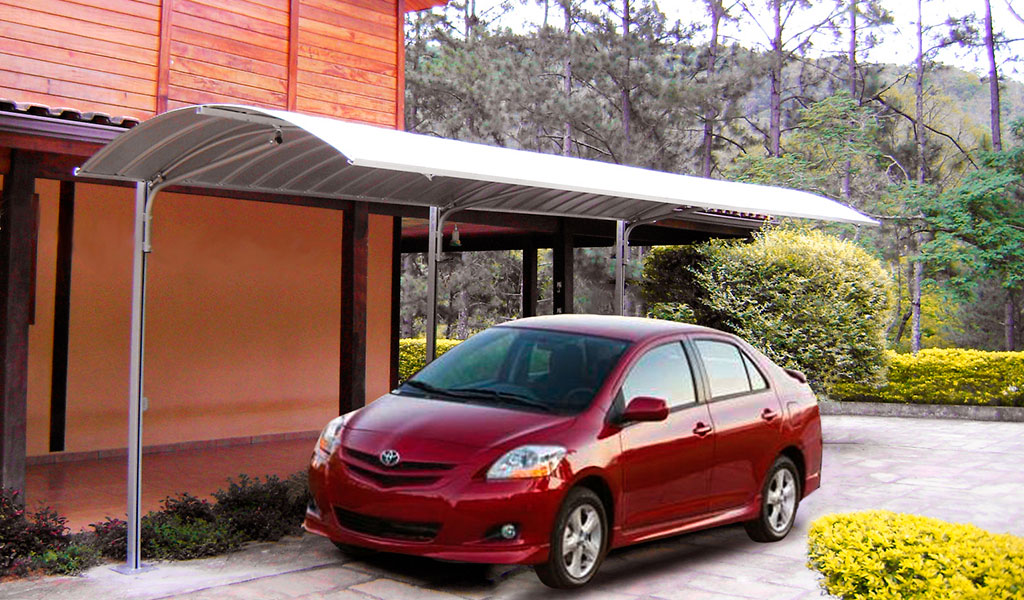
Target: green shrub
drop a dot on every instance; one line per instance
(25, 537)
(184, 529)
(946, 376)
(808, 300)
(263, 510)
(679, 312)
(880, 555)
(412, 354)
(71, 560)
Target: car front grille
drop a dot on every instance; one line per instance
(385, 528)
(406, 465)
(405, 474)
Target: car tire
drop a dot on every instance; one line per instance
(780, 497)
(579, 541)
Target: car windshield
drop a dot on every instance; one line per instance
(520, 368)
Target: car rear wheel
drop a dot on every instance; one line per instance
(779, 499)
(578, 542)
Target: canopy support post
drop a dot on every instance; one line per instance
(433, 250)
(136, 403)
(621, 242)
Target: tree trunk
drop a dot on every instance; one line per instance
(709, 110)
(627, 108)
(915, 290)
(993, 80)
(851, 76)
(567, 87)
(1010, 325)
(775, 97)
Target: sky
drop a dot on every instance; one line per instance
(897, 42)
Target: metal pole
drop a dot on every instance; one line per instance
(135, 385)
(433, 249)
(620, 266)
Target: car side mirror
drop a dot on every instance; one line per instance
(645, 408)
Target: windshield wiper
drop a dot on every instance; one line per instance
(510, 397)
(426, 387)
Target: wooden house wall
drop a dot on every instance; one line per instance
(338, 58)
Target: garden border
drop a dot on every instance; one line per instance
(1012, 414)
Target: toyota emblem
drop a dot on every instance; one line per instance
(389, 458)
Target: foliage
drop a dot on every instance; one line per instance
(946, 376)
(808, 300)
(70, 560)
(263, 510)
(166, 535)
(880, 555)
(412, 354)
(679, 312)
(25, 537)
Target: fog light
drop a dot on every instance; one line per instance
(508, 531)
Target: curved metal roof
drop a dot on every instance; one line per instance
(264, 150)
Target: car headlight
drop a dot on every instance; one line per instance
(329, 440)
(526, 462)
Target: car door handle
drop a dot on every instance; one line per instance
(768, 414)
(701, 429)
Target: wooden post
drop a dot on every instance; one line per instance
(354, 250)
(61, 317)
(17, 238)
(396, 296)
(562, 269)
(529, 308)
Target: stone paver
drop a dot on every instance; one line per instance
(966, 471)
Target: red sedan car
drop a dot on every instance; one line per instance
(551, 440)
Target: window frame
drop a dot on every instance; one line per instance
(618, 404)
(691, 344)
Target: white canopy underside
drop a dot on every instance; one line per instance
(278, 152)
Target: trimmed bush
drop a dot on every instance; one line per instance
(263, 510)
(71, 560)
(946, 376)
(412, 354)
(880, 555)
(184, 529)
(24, 537)
(808, 300)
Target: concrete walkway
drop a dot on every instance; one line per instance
(965, 471)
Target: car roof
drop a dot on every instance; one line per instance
(633, 329)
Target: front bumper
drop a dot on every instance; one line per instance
(456, 519)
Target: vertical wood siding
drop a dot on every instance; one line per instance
(105, 55)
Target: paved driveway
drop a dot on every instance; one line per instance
(966, 471)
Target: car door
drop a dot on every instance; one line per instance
(747, 418)
(665, 465)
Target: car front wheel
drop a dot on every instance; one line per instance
(779, 499)
(578, 542)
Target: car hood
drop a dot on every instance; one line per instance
(393, 418)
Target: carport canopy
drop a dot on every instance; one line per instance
(250, 149)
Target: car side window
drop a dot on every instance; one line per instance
(729, 371)
(662, 373)
(755, 377)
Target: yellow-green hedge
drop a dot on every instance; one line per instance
(946, 376)
(412, 354)
(880, 555)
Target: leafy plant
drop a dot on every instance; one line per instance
(25, 537)
(880, 555)
(412, 354)
(262, 510)
(945, 376)
(808, 300)
(71, 560)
